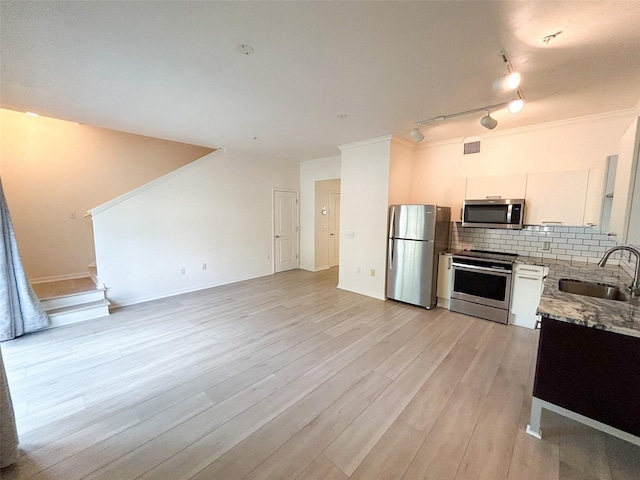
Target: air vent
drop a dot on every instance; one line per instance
(472, 147)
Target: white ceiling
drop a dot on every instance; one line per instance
(172, 69)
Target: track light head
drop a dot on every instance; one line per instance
(508, 82)
(417, 135)
(488, 121)
(516, 106)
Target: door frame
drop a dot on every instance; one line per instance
(328, 229)
(273, 224)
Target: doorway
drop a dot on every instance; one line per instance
(327, 224)
(285, 230)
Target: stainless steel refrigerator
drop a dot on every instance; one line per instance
(417, 234)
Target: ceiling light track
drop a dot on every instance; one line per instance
(511, 81)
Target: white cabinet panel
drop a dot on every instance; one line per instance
(626, 168)
(500, 186)
(457, 198)
(556, 198)
(595, 196)
(444, 280)
(525, 294)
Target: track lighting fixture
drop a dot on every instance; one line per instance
(511, 81)
(416, 134)
(515, 106)
(488, 121)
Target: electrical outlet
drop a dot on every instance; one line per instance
(183, 270)
(373, 272)
(73, 215)
(358, 270)
(546, 245)
(204, 266)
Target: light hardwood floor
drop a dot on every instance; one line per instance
(287, 377)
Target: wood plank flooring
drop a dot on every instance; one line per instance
(287, 377)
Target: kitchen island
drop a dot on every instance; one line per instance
(588, 366)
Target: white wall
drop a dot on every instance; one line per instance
(217, 210)
(310, 172)
(364, 205)
(577, 144)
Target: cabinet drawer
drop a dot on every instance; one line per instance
(537, 271)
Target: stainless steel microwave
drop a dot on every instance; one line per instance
(493, 213)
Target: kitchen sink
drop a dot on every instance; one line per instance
(591, 289)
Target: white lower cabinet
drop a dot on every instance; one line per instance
(526, 289)
(444, 280)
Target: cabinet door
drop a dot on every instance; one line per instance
(525, 296)
(556, 198)
(500, 186)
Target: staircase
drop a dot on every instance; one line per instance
(74, 300)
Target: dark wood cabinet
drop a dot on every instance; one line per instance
(592, 372)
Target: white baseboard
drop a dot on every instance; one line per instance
(376, 295)
(116, 303)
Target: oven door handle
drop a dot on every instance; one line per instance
(484, 269)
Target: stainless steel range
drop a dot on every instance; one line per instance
(481, 284)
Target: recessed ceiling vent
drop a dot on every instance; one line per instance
(472, 147)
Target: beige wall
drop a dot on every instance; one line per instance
(311, 172)
(53, 169)
(576, 144)
(323, 188)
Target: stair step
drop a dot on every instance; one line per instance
(63, 287)
(79, 313)
(71, 299)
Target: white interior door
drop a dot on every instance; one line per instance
(285, 227)
(334, 228)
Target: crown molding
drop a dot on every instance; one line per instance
(539, 126)
(362, 143)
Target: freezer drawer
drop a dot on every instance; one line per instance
(411, 269)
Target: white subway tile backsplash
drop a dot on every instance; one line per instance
(565, 243)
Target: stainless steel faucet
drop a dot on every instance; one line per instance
(629, 248)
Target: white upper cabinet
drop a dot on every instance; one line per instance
(500, 186)
(556, 198)
(622, 217)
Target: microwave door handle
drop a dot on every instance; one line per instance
(509, 212)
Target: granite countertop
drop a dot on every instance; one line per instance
(616, 316)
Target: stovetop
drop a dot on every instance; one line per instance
(502, 256)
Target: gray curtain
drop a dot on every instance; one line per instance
(8, 434)
(20, 310)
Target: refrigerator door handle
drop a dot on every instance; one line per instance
(392, 223)
(391, 249)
